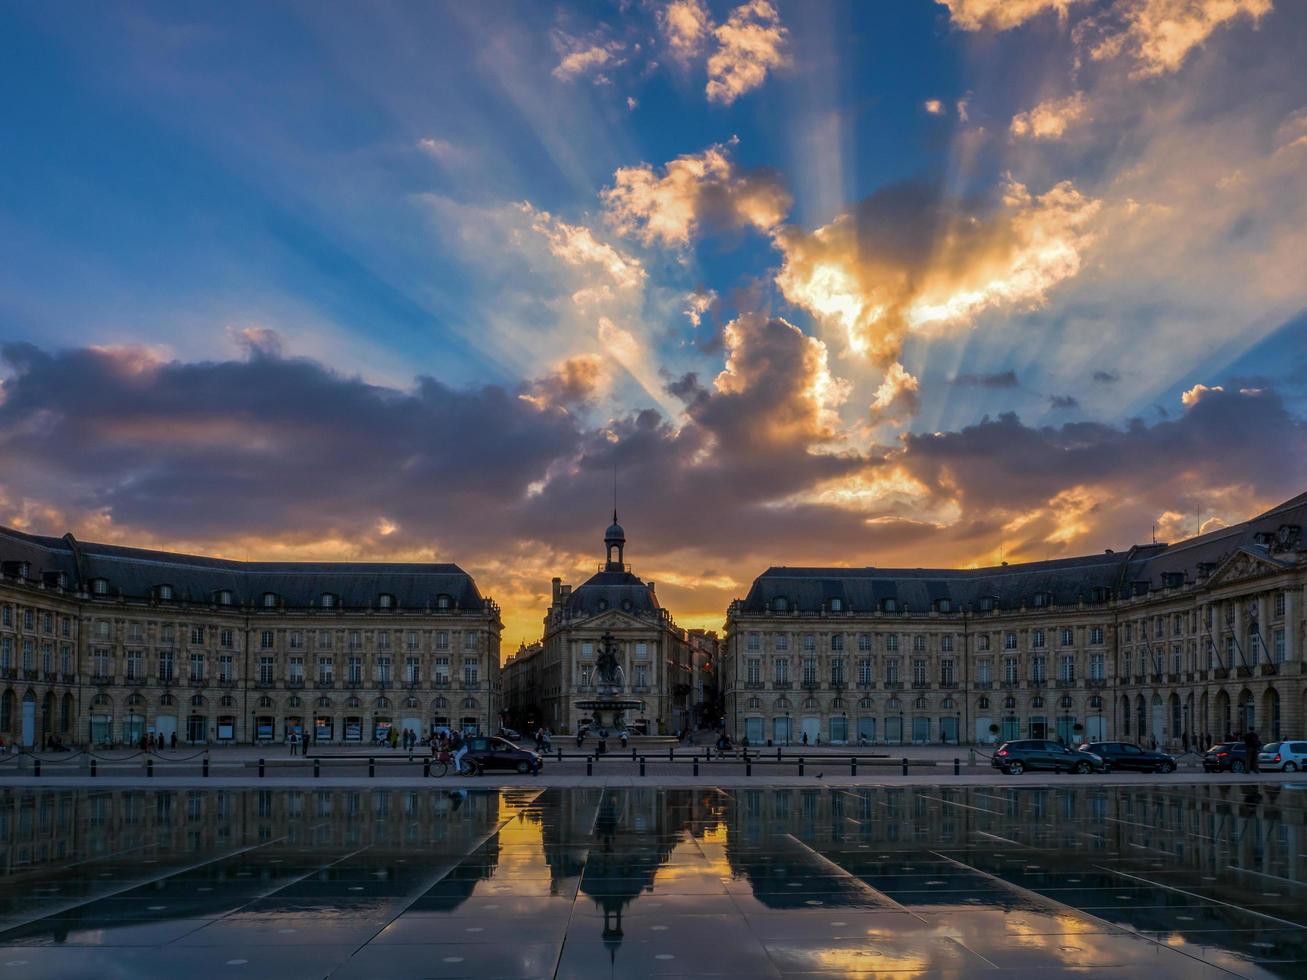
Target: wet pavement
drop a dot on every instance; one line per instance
(1111, 881)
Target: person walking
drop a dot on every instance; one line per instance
(292, 741)
(1254, 745)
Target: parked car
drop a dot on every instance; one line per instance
(511, 734)
(498, 753)
(1130, 758)
(1014, 758)
(1283, 756)
(1226, 757)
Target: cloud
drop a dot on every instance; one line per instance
(706, 188)
(1049, 120)
(576, 382)
(1060, 402)
(631, 103)
(1159, 34)
(586, 57)
(1107, 377)
(1197, 393)
(440, 149)
(1001, 15)
(699, 302)
(750, 44)
(907, 259)
(934, 107)
(898, 396)
(685, 26)
(1002, 379)
(577, 246)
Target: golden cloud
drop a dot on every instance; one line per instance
(668, 209)
(685, 25)
(1159, 34)
(1049, 120)
(749, 44)
(1000, 15)
(905, 262)
(577, 246)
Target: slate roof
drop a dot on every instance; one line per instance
(1067, 580)
(612, 590)
(135, 572)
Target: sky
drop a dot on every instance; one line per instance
(915, 283)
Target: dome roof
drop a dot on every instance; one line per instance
(612, 590)
(614, 532)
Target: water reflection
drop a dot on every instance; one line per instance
(756, 881)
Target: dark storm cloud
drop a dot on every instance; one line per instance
(1107, 377)
(1063, 401)
(1003, 379)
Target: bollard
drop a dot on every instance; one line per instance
(204, 767)
(778, 753)
(972, 757)
(748, 767)
(671, 754)
(260, 768)
(560, 755)
(633, 755)
(149, 768)
(800, 765)
(36, 767)
(905, 765)
(589, 766)
(853, 765)
(372, 767)
(426, 768)
(641, 765)
(317, 768)
(92, 768)
(696, 766)
(957, 767)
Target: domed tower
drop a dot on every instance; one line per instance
(615, 537)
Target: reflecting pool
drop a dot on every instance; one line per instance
(1183, 881)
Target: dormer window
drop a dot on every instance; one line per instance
(99, 586)
(24, 569)
(1041, 599)
(328, 600)
(987, 603)
(269, 600)
(944, 605)
(836, 604)
(780, 604)
(385, 601)
(222, 597)
(1173, 580)
(889, 605)
(442, 602)
(1098, 594)
(163, 593)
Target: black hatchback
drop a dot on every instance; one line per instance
(1124, 757)
(1226, 757)
(484, 754)
(1014, 758)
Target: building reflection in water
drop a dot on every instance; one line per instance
(1052, 862)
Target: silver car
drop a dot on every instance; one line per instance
(1282, 757)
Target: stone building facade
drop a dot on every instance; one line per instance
(548, 677)
(102, 644)
(1169, 644)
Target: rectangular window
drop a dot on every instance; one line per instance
(919, 670)
(470, 670)
(1128, 631)
(642, 650)
(809, 641)
(1177, 659)
(134, 632)
(1010, 670)
(442, 640)
(946, 671)
(226, 671)
(440, 670)
(864, 642)
(1009, 641)
(355, 640)
(134, 665)
(66, 660)
(28, 619)
(295, 670)
(1096, 636)
(1037, 639)
(753, 670)
(47, 658)
(47, 623)
(100, 663)
(226, 638)
(982, 641)
(383, 670)
(864, 670)
(983, 670)
(892, 643)
(1067, 636)
(296, 640)
(383, 640)
(641, 675)
(782, 671)
(266, 667)
(1177, 624)
(754, 642)
(892, 670)
(197, 666)
(6, 615)
(265, 640)
(354, 670)
(946, 643)
(326, 670)
(28, 656)
(918, 643)
(1066, 669)
(782, 641)
(587, 674)
(412, 670)
(1097, 666)
(1279, 645)
(1279, 604)
(837, 671)
(837, 641)
(810, 670)
(469, 641)
(1038, 669)
(324, 639)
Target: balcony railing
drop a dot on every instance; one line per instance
(295, 683)
(1267, 670)
(921, 685)
(984, 685)
(1063, 684)
(893, 685)
(753, 685)
(948, 685)
(1244, 671)
(782, 685)
(866, 685)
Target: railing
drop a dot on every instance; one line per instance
(984, 685)
(1244, 671)
(782, 686)
(295, 683)
(753, 685)
(948, 685)
(1063, 684)
(1268, 670)
(893, 685)
(866, 685)
(921, 685)
(1037, 682)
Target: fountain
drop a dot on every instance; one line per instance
(608, 711)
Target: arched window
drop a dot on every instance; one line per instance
(470, 703)
(946, 703)
(269, 600)
(293, 701)
(381, 703)
(265, 702)
(982, 703)
(1036, 702)
(1009, 703)
(1065, 701)
(439, 703)
(166, 700)
(352, 702)
(921, 704)
(228, 701)
(197, 700)
(385, 601)
(324, 702)
(411, 702)
(102, 701)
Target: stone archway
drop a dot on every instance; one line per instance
(1271, 715)
(1246, 714)
(1223, 721)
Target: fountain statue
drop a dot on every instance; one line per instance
(608, 709)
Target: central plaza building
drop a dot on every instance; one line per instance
(1173, 644)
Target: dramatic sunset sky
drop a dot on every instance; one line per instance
(895, 283)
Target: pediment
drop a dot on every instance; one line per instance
(1244, 563)
(611, 619)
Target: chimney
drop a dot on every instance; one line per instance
(651, 586)
(558, 588)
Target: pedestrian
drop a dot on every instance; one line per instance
(805, 738)
(174, 741)
(291, 740)
(1254, 746)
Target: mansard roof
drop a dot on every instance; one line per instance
(612, 590)
(137, 572)
(1282, 531)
